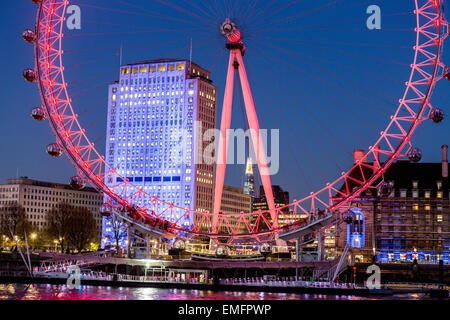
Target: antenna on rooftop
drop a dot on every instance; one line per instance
(190, 59)
(121, 54)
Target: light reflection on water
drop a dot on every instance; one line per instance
(62, 292)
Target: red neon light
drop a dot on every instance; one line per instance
(52, 96)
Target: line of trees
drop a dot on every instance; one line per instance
(13, 224)
(72, 228)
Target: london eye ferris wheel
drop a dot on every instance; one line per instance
(313, 70)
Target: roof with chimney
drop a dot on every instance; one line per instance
(402, 174)
(427, 175)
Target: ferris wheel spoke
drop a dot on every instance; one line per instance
(317, 107)
(348, 80)
(303, 13)
(211, 7)
(339, 22)
(328, 83)
(207, 14)
(303, 147)
(143, 12)
(145, 9)
(187, 12)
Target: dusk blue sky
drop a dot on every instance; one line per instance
(317, 73)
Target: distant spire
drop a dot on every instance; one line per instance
(249, 183)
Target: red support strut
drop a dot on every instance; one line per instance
(236, 56)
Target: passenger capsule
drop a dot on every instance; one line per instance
(447, 73)
(265, 249)
(222, 251)
(105, 210)
(30, 75)
(77, 182)
(36, 1)
(179, 245)
(54, 150)
(385, 189)
(415, 155)
(38, 114)
(437, 115)
(29, 36)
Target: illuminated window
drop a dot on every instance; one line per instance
(152, 69)
(440, 218)
(125, 71)
(427, 207)
(427, 194)
(180, 67)
(439, 185)
(439, 194)
(172, 67)
(415, 194)
(143, 70)
(134, 70)
(403, 193)
(415, 184)
(415, 207)
(161, 68)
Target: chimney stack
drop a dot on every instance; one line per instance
(358, 155)
(444, 161)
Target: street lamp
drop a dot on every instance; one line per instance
(33, 237)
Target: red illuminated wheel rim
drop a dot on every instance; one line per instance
(153, 214)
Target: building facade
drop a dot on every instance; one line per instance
(280, 196)
(411, 221)
(39, 197)
(235, 201)
(158, 113)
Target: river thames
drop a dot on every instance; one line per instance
(62, 292)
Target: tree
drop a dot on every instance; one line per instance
(58, 223)
(13, 221)
(72, 227)
(119, 230)
(82, 229)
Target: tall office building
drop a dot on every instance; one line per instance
(158, 113)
